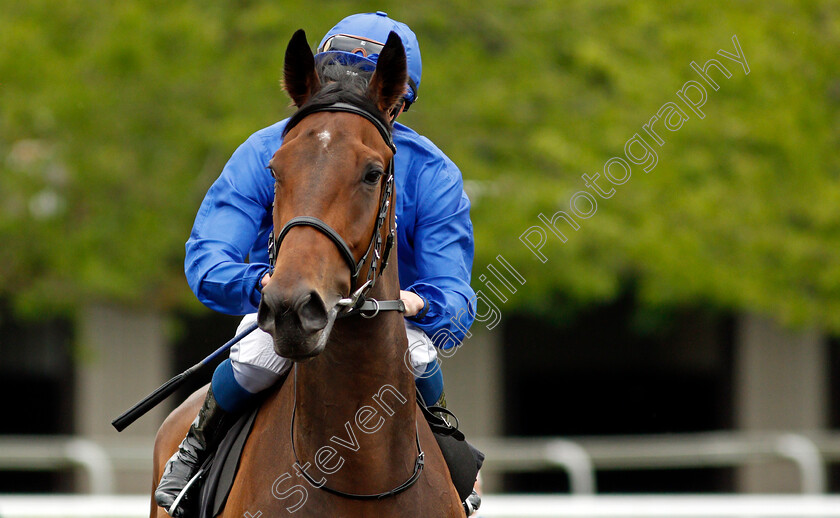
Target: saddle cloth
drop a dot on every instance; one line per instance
(220, 468)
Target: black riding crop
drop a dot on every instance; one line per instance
(166, 390)
(356, 301)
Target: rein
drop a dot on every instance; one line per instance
(381, 251)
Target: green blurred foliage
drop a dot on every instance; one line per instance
(115, 117)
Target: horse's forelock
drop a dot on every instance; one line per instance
(342, 83)
(345, 76)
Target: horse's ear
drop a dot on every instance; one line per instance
(388, 83)
(299, 77)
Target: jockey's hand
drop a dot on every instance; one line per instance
(413, 302)
(264, 280)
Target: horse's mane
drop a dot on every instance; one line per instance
(342, 83)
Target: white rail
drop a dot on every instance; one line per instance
(580, 458)
(77, 506)
(494, 506)
(56, 452)
(808, 452)
(656, 506)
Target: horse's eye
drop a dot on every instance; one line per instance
(373, 176)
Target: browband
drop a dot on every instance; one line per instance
(384, 130)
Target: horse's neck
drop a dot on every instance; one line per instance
(359, 393)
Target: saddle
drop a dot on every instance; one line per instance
(219, 470)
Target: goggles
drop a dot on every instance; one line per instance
(353, 44)
(366, 48)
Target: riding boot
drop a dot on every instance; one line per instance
(473, 501)
(208, 428)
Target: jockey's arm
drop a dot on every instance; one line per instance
(231, 219)
(443, 255)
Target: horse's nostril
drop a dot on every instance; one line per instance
(312, 312)
(265, 316)
(271, 306)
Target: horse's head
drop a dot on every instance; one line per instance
(331, 167)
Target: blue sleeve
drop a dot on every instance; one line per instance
(225, 230)
(443, 251)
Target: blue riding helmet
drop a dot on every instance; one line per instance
(359, 38)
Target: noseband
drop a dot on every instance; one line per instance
(381, 251)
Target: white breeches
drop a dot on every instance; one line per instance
(257, 367)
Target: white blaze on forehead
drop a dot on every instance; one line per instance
(324, 137)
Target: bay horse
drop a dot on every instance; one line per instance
(345, 421)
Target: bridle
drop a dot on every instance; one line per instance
(356, 302)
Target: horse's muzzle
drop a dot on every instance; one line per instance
(295, 321)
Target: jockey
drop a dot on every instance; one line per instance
(227, 254)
